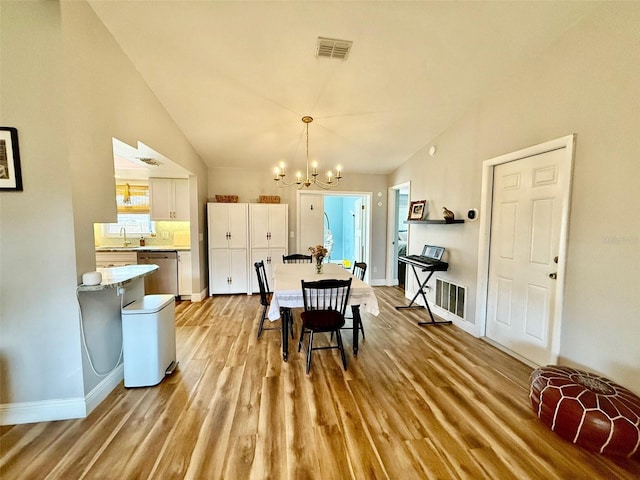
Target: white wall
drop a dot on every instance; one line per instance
(68, 88)
(586, 83)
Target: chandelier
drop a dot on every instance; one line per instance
(311, 177)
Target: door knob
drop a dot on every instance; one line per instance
(555, 259)
(553, 275)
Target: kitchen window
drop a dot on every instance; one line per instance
(132, 199)
(136, 224)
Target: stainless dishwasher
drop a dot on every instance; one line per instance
(165, 279)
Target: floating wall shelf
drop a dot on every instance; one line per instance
(436, 222)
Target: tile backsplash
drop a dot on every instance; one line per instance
(166, 234)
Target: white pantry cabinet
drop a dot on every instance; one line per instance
(169, 198)
(228, 237)
(269, 227)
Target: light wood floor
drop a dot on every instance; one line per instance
(418, 402)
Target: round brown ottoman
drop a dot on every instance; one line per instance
(587, 409)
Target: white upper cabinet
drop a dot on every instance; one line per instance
(169, 198)
(268, 225)
(228, 225)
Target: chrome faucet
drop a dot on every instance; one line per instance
(123, 233)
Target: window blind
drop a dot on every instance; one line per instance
(132, 198)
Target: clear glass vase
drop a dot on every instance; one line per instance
(319, 265)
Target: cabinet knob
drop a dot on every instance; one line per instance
(553, 275)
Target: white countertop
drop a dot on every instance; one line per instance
(117, 276)
(150, 248)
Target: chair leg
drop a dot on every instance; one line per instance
(361, 328)
(301, 338)
(262, 317)
(341, 348)
(309, 351)
(290, 313)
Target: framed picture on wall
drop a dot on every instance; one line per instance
(10, 174)
(417, 210)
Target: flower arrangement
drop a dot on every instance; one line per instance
(319, 252)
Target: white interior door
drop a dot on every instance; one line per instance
(310, 221)
(526, 226)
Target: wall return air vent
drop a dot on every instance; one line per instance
(332, 48)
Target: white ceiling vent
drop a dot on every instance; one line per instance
(332, 48)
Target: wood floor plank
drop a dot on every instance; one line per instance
(417, 402)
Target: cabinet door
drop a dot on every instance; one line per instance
(278, 226)
(260, 226)
(181, 199)
(238, 227)
(238, 271)
(218, 271)
(161, 198)
(184, 273)
(218, 223)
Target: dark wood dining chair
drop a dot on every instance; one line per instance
(265, 297)
(359, 269)
(325, 302)
(297, 258)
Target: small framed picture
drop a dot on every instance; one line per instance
(417, 210)
(10, 174)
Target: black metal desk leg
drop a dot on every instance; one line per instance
(356, 328)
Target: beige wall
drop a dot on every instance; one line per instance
(40, 355)
(586, 83)
(68, 88)
(250, 184)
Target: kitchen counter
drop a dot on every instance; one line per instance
(118, 276)
(152, 248)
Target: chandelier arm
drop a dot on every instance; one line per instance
(309, 180)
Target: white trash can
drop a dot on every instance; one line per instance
(148, 340)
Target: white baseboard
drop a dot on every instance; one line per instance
(104, 388)
(60, 409)
(381, 282)
(457, 321)
(198, 297)
(44, 411)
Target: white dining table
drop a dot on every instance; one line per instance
(287, 294)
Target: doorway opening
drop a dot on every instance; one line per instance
(341, 221)
(397, 233)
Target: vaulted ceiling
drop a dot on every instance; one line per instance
(238, 76)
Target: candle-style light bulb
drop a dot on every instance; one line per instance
(329, 175)
(338, 172)
(276, 172)
(314, 164)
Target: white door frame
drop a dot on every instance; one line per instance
(486, 204)
(392, 209)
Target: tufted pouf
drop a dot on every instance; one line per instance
(587, 409)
